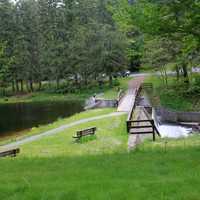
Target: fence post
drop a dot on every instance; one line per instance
(127, 126)
(153, 127)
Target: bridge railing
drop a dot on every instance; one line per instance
(133, 125)
(137, 93)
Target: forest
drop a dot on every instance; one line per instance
(56, 40)
(81, 42)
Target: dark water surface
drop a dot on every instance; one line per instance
(21, 116)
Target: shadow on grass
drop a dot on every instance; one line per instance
(85, 139)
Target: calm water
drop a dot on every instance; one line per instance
(21, 116)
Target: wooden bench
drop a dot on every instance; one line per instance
(82, 133)
(10, 152)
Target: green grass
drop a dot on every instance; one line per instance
(40, 96)
(150, 172)
(110, 137)
(59, 122)
(175, 96)
(56, 167)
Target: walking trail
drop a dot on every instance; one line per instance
(128, 100)
(126, 105)
(59, 129)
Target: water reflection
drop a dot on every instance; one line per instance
(20, 116)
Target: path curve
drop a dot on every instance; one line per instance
(59, 129)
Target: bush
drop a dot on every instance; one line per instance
(193, 90)
(116, 82)
(197, 80)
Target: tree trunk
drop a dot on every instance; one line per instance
(76, 81)
(3, 91)
(57, 83)
(85, 79)
(22, 85)
(31, 85)
(110, 80)
(17, 85)
(13, 86)
(185, 73)
(177, 72)
(39, 85)
(27, 87)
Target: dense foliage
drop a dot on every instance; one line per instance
(56, 40)
(170, 32)
(80, 42)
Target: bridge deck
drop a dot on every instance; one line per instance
(127, 101)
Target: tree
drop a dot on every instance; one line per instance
(175, 22)
(52, 40)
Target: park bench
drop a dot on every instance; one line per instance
(85, 132)
(10, 152)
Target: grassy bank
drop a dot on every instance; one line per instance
(110, 137)
(107, 92)
(59, 122)
(176, 95)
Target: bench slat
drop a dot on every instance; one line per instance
(10, 152)
(88, 131)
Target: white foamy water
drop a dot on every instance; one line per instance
(171, 130)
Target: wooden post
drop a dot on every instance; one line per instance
(154, 136)
(127, 126)
(153, 127)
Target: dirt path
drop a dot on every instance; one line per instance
(57, 130)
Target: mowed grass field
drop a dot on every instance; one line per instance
(56, 167)
(144, 174)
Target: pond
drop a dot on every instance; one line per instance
(21, 116)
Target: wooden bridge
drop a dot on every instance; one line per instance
(139, 121)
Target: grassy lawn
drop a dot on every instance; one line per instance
(59, 122)
(101, 168)
(110, 137)
(176, 96)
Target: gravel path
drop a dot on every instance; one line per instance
(59, 129)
